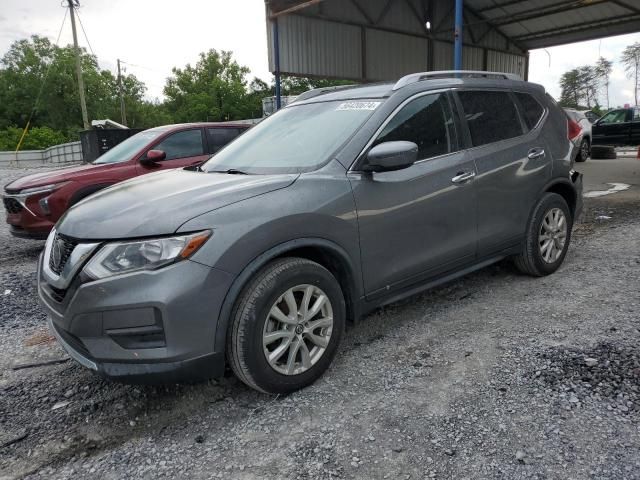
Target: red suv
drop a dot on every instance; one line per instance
(34, 203)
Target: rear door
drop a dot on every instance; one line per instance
(511, 158)
(182, 149)
(614, 128)
(218, 137)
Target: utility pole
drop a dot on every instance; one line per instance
(123, 114)
(83, 103)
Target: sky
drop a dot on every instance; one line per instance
(152, 36)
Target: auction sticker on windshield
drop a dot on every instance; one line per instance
(358, 106)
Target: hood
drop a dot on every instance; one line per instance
(158, 203)
(51, 176)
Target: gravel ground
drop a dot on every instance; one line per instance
(496, 375)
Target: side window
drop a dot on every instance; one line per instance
(219, 137)
(491, 116)
(426, 121)
(532, 111)
(636, 114)
(592, 117)
(617, 116)
(187, 143)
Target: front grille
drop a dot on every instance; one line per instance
(11, 205)
(61, 249)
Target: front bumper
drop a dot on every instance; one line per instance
(145, 327)
(25, 220)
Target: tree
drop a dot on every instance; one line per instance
(631, 60)
(215, 89)
(603, 71)
(297, 85)
(570, 89)
(588, 78)
(579, 85)
(34, 69)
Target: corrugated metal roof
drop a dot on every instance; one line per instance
(528, 24)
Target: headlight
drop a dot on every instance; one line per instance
(42, 189)
(124, 257)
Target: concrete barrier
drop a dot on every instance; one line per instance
(57, 155)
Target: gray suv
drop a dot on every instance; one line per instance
(345, 200)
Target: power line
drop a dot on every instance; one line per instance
(84, 32)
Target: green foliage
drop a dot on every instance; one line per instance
(603, 71)
(297, 85)
(631, 60)
(29, 61)
(582, 86)
(214, 89)
(579, 85)
(38, 138)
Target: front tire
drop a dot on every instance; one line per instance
(547, 237)
(286, 326)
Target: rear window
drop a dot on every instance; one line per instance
(532, 111)
(491, 116)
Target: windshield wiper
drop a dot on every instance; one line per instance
(231, 171)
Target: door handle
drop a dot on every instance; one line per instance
(536, 153)
(463, 177)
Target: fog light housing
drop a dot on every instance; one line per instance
(44, 205)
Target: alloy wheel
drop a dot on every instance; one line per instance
(584, 151)
(553, 235)
(298, 329)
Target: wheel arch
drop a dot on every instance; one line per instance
(565, 190)
(324, 252)
(84, 192)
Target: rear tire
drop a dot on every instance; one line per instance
(584, 152)
(603, 152)
(547, 237)
(276, 343)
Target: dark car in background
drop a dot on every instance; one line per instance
(34, 203)
(341, 202)
(618, 128)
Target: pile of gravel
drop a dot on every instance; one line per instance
(607, 373)
(18, 301)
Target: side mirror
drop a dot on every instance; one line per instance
(389, 156)
(152, 157)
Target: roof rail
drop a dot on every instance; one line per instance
(316, 92)
(418, 77)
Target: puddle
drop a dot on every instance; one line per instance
(615, 187)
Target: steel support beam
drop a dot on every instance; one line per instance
(276, 61)
(295, 8)
(457, 51)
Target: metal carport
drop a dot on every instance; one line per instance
(372, 40)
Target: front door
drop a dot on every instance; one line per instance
(613, 129)
(182, 149)
(419, 221)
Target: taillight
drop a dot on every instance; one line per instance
(573, 129)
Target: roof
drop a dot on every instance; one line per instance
(179, 126)
(416, 83)
(530, 24)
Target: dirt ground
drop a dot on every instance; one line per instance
(496, 375)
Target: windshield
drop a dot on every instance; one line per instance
(296, 139)
(127, 149)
